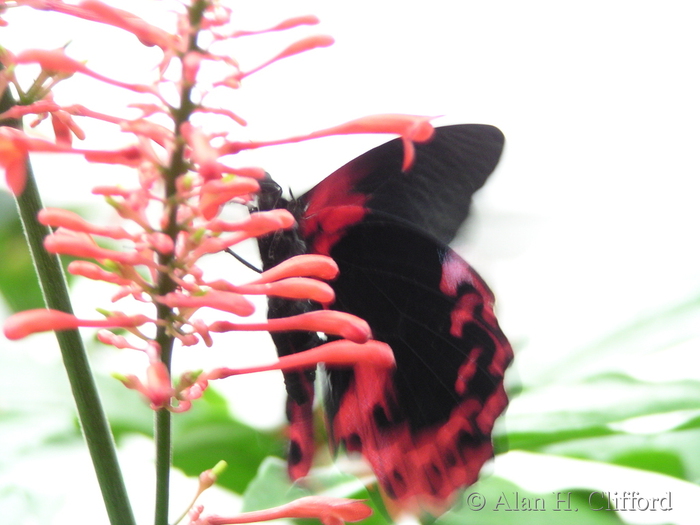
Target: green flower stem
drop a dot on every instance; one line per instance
(178, 167)
(90, 412)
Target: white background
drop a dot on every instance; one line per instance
(591, 220)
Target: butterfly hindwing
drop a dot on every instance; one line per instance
(424, 427)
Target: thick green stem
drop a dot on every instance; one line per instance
(90, 412)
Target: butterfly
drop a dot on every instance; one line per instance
(425, 426)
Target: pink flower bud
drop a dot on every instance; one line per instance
(311, 265)
(30, 322)
(209, 477)
(96, 273)
(157, 389)
(327, 321)
(110, 338)
(188, 339)
(225, 301)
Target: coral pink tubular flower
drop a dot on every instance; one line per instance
(130, 156)
(256, 224)
(291, 288)
(147, 34)
(157, 388)
(330, 322)
(30, 322)
(15, 147)
(409, 127)
(144, 129)
(96, 11)
(310, 265)
(81, 245)
(13, 159)
(290, 23)
(57, 61)
(336, 353)
(96, 273)
(190, 66)
(109, 338)
(59, 218)
(40, 106)
(64, 127)
(202, 151)
(203, 331)
(161, 242)
(330, 511)
(303, 45)
(216, 192)
(225, 301)
(217, 244)
(225, 112)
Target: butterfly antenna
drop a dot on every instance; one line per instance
(243, 261)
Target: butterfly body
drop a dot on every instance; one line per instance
(425, 426)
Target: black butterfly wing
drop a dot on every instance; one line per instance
(425, 427)
(434, 195)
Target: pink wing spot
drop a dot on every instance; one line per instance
(467, 371)
(455, 271)
(464, 313)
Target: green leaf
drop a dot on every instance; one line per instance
(207, 433)
(271, 487)
(560, 413)
(661, 461)
(673, 453)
